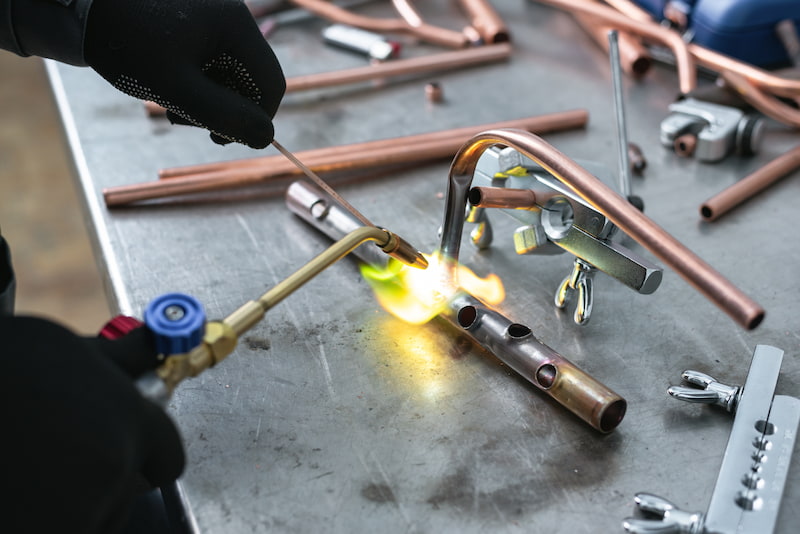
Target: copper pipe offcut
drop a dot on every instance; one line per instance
(617, 209)
(649, 31)
(751, 185)
(374, 154)
(634, 58)
(766, 104)
(426, 32)
(486, 21)
(516, 346)
(502, 197)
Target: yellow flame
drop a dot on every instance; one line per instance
(415, 295)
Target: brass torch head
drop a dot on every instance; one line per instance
(403, 251)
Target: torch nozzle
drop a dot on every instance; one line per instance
(401, 250)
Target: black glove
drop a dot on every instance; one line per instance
(205, 61)
(79, 443)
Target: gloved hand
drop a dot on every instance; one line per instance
(205, 61)
(79, 443)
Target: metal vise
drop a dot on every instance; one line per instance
(560, 221)
(710, 131)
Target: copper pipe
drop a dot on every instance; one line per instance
(749, 186)
(634, 58)
(422, 148)
(556, 376)
(442, 61)
(685, 145)
(766, 104)
(426, 32)
(630, 9)
(651, 31)
(486, 20)
(549, 122)
(630, 220)
(502, 197)
(772, 83)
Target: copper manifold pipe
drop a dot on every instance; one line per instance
(516, 346)
(634, 58)
(442, 61)
(618, 210)
(502, 197)
(373, 154)
(609, 17)
(749, 186)
(426, 32)
(486, 21)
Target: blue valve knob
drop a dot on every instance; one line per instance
(177, 322)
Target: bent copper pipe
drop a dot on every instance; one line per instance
(409, 149)
(634, 58)
(766, 104)
(486, 21)
(749, 186)
(546, 123)
(618, 210)
(441, 61)
(651, 31)
(424, 31)
(773, 83)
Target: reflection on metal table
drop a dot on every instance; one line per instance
(333, 415)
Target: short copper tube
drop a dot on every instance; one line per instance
(502, 197)
(634, 58)
(751, 185)
(516, 346)
(486, 21)
(617, 209)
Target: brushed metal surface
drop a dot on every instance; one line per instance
(333, 416)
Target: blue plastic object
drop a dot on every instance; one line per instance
(742, 29)
(177, 322)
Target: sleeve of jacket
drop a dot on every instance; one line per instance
(47, 28)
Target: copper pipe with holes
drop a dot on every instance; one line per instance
(375, 154)
(439, 62)
(486, 21)
(617, 209)
(749, 186)
(649, 31)
(426, 32)
(634, 58)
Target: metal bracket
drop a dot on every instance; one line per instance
(750, 484)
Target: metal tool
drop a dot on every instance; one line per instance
(710, 132)
(559, 220)
(371, 44)
(559, 211)
(191, 344)
(621, 123)
(749, 488)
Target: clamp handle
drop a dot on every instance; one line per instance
(706, 390)
(177, 322)
(666, 517)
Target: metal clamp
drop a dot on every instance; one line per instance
(560, 221)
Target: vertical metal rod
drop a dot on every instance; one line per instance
(619, 110)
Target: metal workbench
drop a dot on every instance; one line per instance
(333, 416)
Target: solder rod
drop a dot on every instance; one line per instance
(622, 213)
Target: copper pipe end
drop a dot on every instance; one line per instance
(486, 21)
(501, 197)
(684, 145)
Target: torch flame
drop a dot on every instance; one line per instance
(416, 296)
